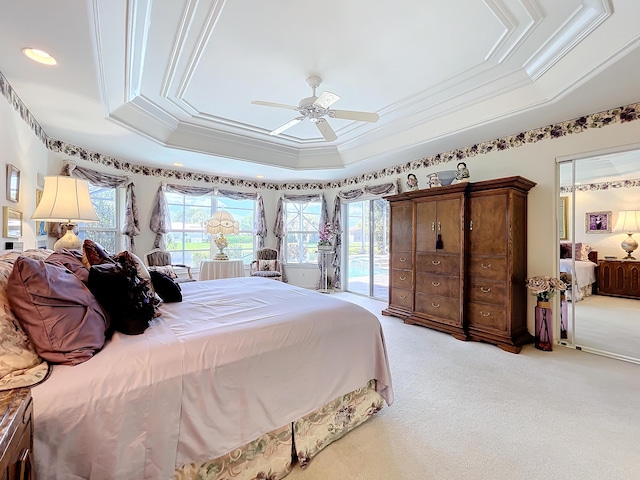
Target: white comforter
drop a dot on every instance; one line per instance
(585, 271)
(236, 359)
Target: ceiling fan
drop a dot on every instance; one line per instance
(316, 108)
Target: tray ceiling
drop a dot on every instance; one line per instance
(156, 83)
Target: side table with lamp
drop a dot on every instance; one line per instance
(222, 223)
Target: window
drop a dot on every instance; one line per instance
(190, 244)
(104, 232)
(303, 222)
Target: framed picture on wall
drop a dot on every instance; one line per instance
(563, 211)
(598, 222)
(13, 183)
(41, 227)
(11, 223)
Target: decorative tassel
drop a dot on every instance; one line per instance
(439, 242)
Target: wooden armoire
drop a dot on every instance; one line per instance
(458, 260)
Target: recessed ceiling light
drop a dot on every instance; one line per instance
(39, 56)
(178, 164)
(259, 176)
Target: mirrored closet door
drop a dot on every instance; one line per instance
(598, 203)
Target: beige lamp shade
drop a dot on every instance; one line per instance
(65, 199)
(222, 222)
(628, 221)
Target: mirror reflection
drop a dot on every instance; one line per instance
(598, 224)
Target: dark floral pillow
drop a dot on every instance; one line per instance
(94, 254)
(124, 295)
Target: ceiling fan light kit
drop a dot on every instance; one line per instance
(315, 108)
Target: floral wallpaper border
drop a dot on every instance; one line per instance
(594, 187)
(623, 114)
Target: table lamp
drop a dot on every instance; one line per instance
(628, 222)
(222, 223)
(66, 200)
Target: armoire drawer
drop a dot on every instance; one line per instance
(494, 268)
(401, 279)
(487, 291)
(443, 285)
(484, 316)
(437, 263)
(402, 260)
(401, 298)
(441, 307)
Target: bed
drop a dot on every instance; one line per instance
(583, 273)
(242, 379)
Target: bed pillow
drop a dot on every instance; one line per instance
(57, 311)
(20, 364)
(267, 265)
(166, 269)
(164, 286)
(94, 254)
(565, 250)
(125, 296)
(71, 259)
(582, 251)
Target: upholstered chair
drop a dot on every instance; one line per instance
(266, 264)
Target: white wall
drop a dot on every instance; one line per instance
(20, 147)
(535, 161)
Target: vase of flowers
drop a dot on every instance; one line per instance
(326, 236)
(544, 288)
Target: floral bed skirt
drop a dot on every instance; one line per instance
(583, 292)
(271, 456)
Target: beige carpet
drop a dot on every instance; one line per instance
(609, 324)
(467, 410)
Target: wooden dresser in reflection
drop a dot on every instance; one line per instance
(619, 278)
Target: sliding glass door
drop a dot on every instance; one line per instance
(366, 242)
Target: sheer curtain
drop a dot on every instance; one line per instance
(160, 221)
(280, 229)
(373, 191)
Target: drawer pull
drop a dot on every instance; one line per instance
(485, 314)
(433, 226)
(435, 305)
(486, 266)
(435, 284)
(403, 297)
(402, 259)
(435, 262)
(485, 290)
(402, 277)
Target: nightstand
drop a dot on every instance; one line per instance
(619, 278)
(16, 434)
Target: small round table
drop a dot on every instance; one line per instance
(214, 269)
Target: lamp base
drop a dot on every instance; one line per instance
(221, 256)
(69, 240)
(629, 245)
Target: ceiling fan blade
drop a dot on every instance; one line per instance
(351, 115)
(271, 104)
(289, 124)
(326, 99)
(326, 130)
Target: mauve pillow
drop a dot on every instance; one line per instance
(71, 259)
(62, 318)
(565, 250)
